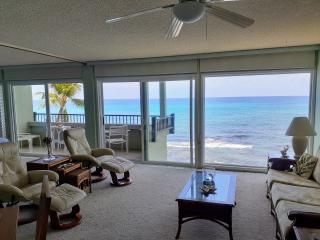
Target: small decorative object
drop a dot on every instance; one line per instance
(47, 141)
(208, 185)
(284, 151)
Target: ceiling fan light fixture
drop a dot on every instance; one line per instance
(189, 11)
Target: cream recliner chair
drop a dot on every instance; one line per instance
(101, 158)
(16, 184)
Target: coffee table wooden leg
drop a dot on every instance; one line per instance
(230, 225)
(179, 228)
(230, 233)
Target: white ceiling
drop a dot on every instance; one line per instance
(76, 29)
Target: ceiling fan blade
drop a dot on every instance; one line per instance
(174, 29)
(230, 16)
(117, 19)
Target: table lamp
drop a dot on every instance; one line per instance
(300, 128)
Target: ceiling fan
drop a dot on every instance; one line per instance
(191, 11)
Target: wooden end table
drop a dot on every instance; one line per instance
(80, 178)
(42, 164)
(69, 172)
(217, 207)
(281, 163)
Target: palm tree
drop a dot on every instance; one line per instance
(61, 94)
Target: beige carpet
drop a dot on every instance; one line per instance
(147, 210)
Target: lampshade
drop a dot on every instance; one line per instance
(300, 126)
(189, 11)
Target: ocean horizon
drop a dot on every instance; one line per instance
(238, 130)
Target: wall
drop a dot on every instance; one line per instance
(23, 108)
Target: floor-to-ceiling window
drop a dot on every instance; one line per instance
(30, 117)
(122, 118)
(46, 110)
(170, 113)
(157, 115)
(246, 116)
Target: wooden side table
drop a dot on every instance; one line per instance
(280, 163)
(42, 164)
(80, 178)
(69, 172)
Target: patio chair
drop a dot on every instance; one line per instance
(101, 158)
(117, 135)
(57, 136)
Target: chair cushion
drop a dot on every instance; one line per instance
(282, 210)
(115, 164)
(63, 197)
(297, 194)
(305, 165)
(12, 171)
(289, 178)
(31, 190)
(76, 141)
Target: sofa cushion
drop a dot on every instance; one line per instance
(289, 178)
(316, 172)
(32, 190)
(282, 210)
(297, 194)
(305, 165)
(115, 164)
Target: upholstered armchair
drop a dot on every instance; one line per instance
(101, 158)
(16, 184)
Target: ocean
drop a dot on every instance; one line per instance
(238, 130)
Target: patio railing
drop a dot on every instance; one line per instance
(161, 123)
(157, 123)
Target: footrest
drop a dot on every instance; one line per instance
(65, 197)
(116, 164)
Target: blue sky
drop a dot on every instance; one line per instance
(297, 84)
(294, 84)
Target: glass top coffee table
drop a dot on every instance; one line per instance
(217, 206)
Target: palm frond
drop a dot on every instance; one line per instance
(77, 102)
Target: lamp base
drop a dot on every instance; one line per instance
(299, 145)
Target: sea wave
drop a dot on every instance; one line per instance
(211, 143)
(222, 144)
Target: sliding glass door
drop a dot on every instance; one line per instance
(246, 116)
(30, 117)
(157, 116)
(122, 118)
(46, 110)
(170, 120)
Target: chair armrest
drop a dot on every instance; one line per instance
(36, 176)
(305, 219)
(97, 152)
(85, 158)
(10, 193)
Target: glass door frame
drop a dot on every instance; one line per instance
(45, 83)
(144, 106)
(201, 89)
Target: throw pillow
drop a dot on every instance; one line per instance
(305, 165)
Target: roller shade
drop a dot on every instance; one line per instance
(271, 61)
(146, 69)
(36, 73)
